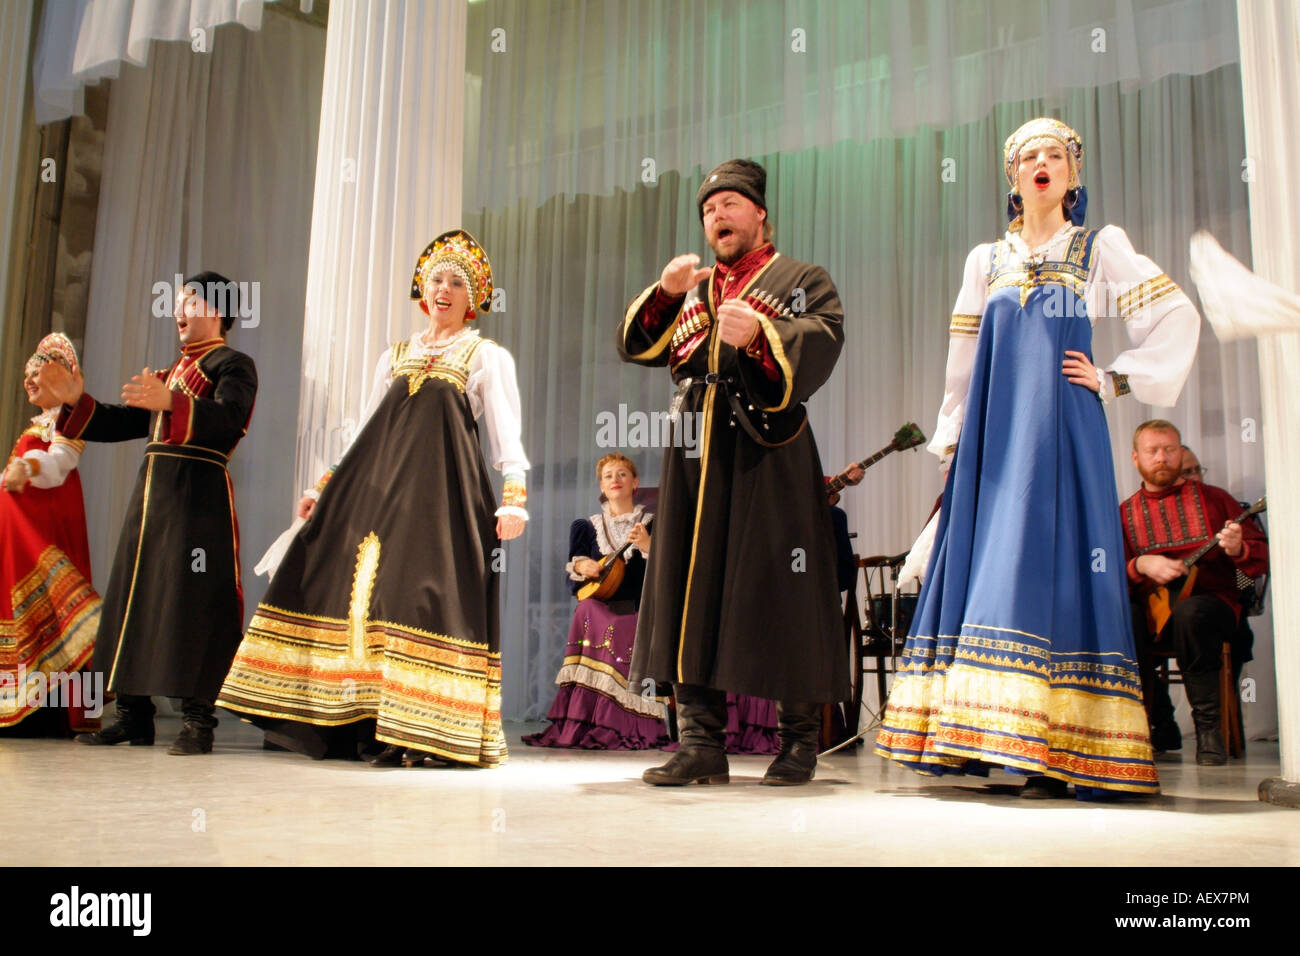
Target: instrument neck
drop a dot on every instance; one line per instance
(839, 481)
(1205, 549)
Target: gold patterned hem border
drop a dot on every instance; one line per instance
(280, 614)
(1086, 739)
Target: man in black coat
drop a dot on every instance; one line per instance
(740, 591)
(173, 611)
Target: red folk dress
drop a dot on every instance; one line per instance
(49, 611)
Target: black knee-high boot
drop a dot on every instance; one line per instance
(134, 724)
(702, 732)
(1203, 694)
(800, 725)
(196, 731)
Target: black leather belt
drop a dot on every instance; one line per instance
(734, 398)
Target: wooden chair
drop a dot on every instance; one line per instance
(874, 640)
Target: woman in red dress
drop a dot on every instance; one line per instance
(48, 609)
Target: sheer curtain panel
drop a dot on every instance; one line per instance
(84, 41)
(203, 169)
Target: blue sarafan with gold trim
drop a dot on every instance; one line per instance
(1021, 651)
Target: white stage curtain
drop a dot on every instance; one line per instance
(582, 93)
(388, 179)
(84, 41)
(1270, 56)
(1162, 160)
(206, 166)
(15, 35)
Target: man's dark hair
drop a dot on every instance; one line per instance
(219, 292)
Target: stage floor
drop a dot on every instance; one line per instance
(70, 805)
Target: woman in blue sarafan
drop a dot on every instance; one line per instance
(1021, 652)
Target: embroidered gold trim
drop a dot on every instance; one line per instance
(1070, 272)
(946, 718)
(135, 569)
(75, 444)
(514, 495)
(341, 624)
(1146, 294)
(661, 343)
(234, 540)
(451, 366)
(706, 434)
(363, 583)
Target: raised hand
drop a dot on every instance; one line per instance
(146, 390)
(682, 274)
(62, 384)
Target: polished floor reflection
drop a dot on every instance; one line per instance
(72, 805)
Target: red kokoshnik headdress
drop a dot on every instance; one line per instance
(56, 347)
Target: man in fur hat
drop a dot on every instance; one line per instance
(740, 592)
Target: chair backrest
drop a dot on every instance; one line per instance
(647, 497)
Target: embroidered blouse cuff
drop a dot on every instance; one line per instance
(574, 575)
(514, 494)
(1103, 388)
(320, 485)
(511, 511)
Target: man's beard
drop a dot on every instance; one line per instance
(1152, 477)
(743, 248)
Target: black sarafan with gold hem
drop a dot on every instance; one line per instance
(740, 591)
(385, 606)
(174, 604)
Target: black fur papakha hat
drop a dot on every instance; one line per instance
(741, 175)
